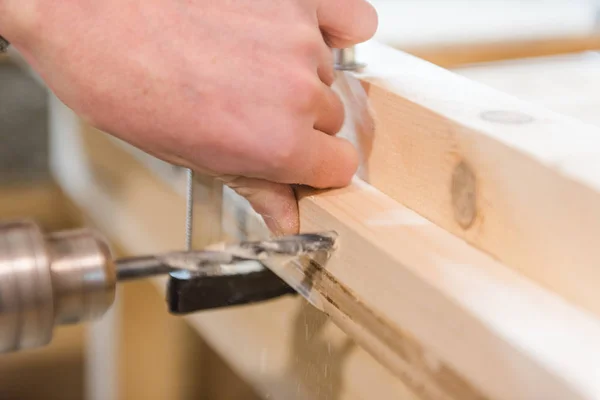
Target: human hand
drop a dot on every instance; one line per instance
(238, 89)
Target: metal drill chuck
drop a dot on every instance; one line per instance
(62, 278)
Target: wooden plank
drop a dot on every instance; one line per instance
(43, 202)
(486, 31)
(513, 179)
(567, 84)
(465, 54)
(449, 320)
(463, 22)
(291, 351)
(55, 372)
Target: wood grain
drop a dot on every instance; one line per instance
(452, 322)
(535, 182)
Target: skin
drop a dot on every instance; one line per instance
(238, 89)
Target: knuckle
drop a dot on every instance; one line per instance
(308, 41)
(282, 152)
(283, 155)
(305, 92)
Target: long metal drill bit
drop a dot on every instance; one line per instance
(231, 260)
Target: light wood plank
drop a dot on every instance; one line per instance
(449, 320)
(456, 22)
(512, 178)
(466, 54)
(43, 202)
(568, 84)
(458, 32)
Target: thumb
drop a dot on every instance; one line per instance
(275, 202)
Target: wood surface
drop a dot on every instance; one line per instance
(55, 372)
(515, 180)
(451, 56)
(458, 32)
(449, 320)
(567, 84)
(42, 201)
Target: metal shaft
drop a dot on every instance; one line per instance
(140, 267)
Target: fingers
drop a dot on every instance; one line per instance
(326, 161)
(318, 160)
(275, 202)
(325, 69)
(347, 22)
(330, 113)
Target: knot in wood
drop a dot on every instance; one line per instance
(464, 195)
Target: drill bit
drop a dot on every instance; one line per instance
(233, 259)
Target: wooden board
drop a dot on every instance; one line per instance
(43, 202)
(55, 372)
(567, 84)
(450, 23)
(449, 320)
(466, 54)
(458, 32)
(513, 179)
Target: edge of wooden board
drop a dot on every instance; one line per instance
(449, 320)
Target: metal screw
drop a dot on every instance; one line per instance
(345, 60)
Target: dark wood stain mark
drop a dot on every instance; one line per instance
(464, 195)
(431, 382)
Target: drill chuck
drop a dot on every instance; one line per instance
(48, 280)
